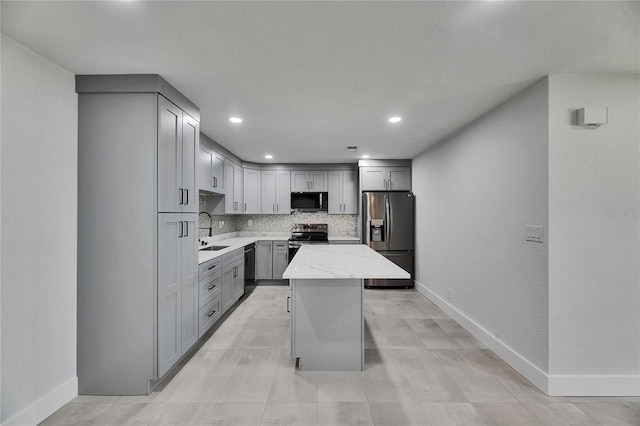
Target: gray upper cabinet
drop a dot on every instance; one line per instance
(276, 192)
(210, 176)
(178, 142)
(138, 142)
(251, 192)
(309, 181)
(386, 178)
(233, 188)
(177, 288)
(343, 192)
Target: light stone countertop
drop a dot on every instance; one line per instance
(234, 243)
(341, 261)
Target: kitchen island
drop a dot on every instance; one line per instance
(327, 315)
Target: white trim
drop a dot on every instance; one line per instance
(46, 405)
(553, 385)
(602, 385)
(532, 373)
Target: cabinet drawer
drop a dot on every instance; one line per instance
(209, 267)
(234, 256)
(281, 245)
(208, 315)
(210, 287)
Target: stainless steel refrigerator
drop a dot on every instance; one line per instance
(388, 228)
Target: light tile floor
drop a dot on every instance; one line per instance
(422, 368)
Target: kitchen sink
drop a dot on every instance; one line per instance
(213, 248)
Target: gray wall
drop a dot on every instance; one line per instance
(594, 279)
(475, 192)
(38, 249)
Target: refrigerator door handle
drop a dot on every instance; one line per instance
(387, 221)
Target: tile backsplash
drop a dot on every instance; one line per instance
(339, 224)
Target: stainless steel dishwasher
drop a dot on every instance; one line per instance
(250, 264)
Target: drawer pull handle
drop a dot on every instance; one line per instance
(211, 313)
(211, 267)
(288, 298)
(212, 287)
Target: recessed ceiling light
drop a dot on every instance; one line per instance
(236, 120)
(268, 156)
(365, 156)
(395, 119)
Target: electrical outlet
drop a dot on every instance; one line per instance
(250, 222)
(535, 233)
(220, 224)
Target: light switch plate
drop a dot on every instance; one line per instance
(535, 233)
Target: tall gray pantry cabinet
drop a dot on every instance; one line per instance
(138, 138)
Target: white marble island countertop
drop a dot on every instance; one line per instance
(341, 261)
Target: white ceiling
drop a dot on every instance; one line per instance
(310, 78)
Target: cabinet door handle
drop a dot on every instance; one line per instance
(277, 207)
(186, 228)
(245, 207)
(180, 228)
(186, 191)
(288, 298)
(215, 182)
(273, 209)
(212, 287)
(211, 313)
(311, 184)
(181, 195)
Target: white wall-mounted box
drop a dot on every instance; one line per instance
(592, 116)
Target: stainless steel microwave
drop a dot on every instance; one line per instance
(309, 201)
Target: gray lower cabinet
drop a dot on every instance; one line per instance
(232, 278)
(210, 294)
(177, 287)
(228, 274)
(264, 260)
(280, 258)
(272, 258)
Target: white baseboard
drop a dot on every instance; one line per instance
(601, 385)
(553, 385)
(532, 373)
(46, 405)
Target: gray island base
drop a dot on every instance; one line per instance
(327, 296)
